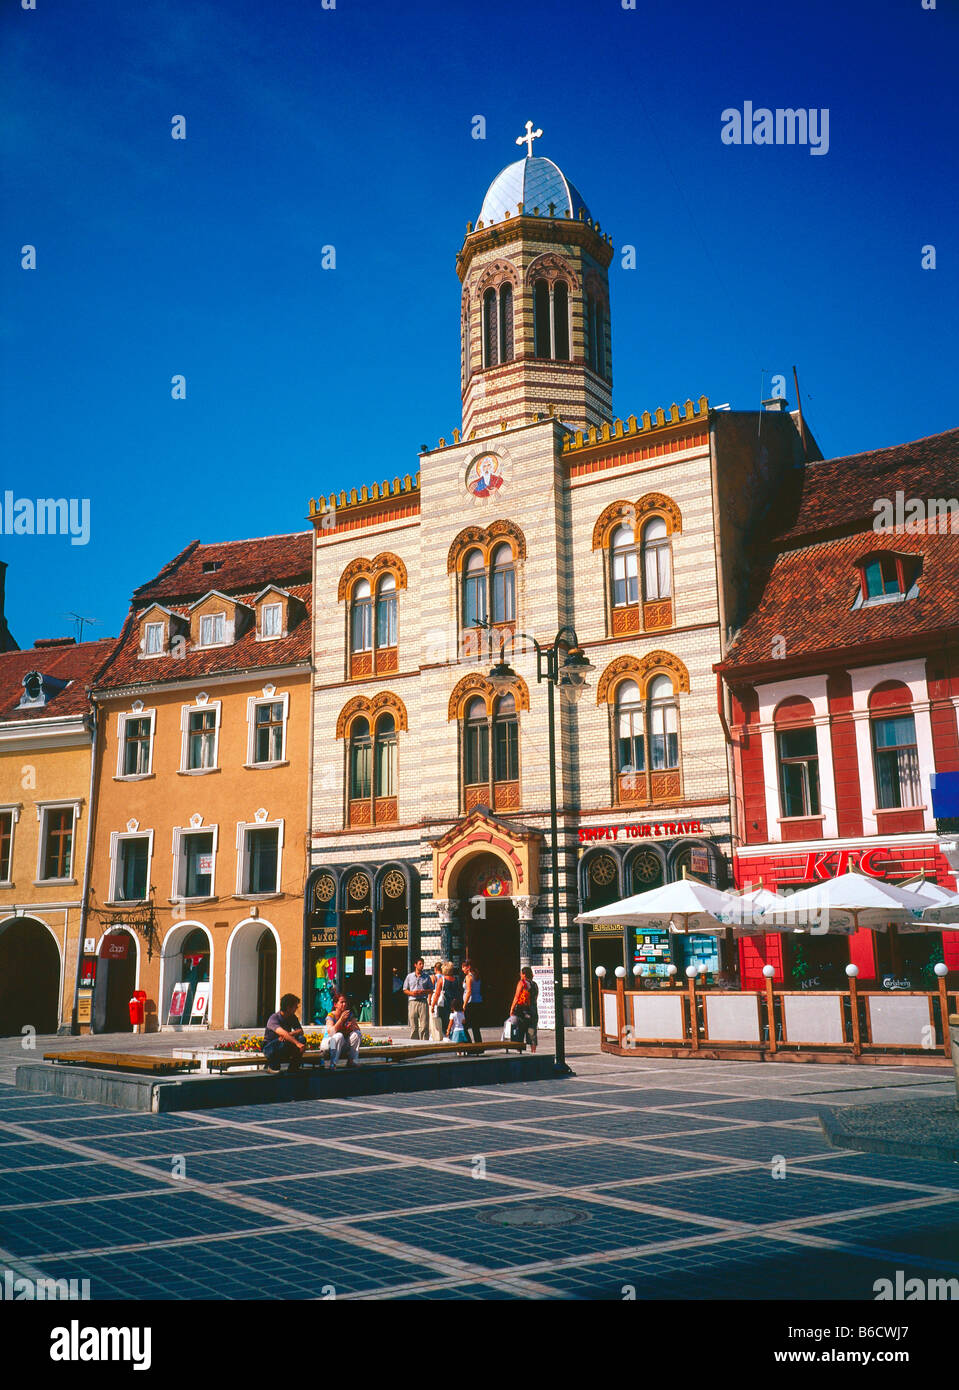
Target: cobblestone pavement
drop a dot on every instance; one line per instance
(675, 1179)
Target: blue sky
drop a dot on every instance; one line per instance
(352, 127)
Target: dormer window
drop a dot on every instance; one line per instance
(887, 577)
(39, 689)
(211, 566)
(272, 619)
(212, 629)
(153, 639)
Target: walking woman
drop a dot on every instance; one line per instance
(447, 989)
(436, 1033)
(472, 998)
(524, 1007)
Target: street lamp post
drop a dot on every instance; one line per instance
(570, 675)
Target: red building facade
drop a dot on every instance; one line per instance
(841, 698)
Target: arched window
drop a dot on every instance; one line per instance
(657, 569)
(561, 321)
(474, 589)
(361, 754)
(385, 759)
(630, 743)
(506, 323)
(386, 612)
(503, 577)
(625, 572)
(541, 325)
(362, 617)
(505, 740)
(663, 725)
(476, 744)
(490, 330)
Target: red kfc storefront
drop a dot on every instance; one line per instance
(902, 957)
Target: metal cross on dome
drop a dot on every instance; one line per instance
(528, 138)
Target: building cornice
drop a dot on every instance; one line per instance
(202, 679)
(61, 731)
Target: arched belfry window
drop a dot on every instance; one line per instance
(490, 747)
(498, 325)
(596, 354)
(551, 319)
(646, 751)
(505, 740)
(370, 726)
(476, 745)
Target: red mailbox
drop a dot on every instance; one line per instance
(137, 1003)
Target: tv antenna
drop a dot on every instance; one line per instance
(79, 620)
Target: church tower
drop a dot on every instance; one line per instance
(535, 323)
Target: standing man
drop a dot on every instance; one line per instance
(417, 987)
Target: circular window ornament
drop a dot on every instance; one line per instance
(603, 870)
(325, 888)
(394, 884)
(646, 867)
(358, 887)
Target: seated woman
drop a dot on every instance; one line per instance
(342, 1032)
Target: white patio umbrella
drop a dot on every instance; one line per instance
(747, 920)
(849, 901)
(684, 906)
(942, 905)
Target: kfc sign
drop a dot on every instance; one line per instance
(830, 863)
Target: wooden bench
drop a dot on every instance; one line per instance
(316, 1057)
(121, 1061)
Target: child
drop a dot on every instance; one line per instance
(456, 1028)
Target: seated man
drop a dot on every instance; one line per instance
(283, 1039)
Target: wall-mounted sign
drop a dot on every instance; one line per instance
(115, 946)
(88, 972)
(608, 928)
(831, 863)
(85, 1006)
(398, 933)
(640, 832)
(322, 936)
(698, 861)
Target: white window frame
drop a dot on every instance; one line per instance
(179, 861)
(209, 617)
(122, 718)
(14, 808)
(770, 697)
(243, 855)
(185, 712)
(251, 706)
(116, 836)
(43, 808)
(265, 608)
(147, 628)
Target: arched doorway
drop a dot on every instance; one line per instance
(393, 948)
(186, 962)
(116, 981)
(490, 933)
(29, 977)
(251, 964)
(603, 944)
(356, 934)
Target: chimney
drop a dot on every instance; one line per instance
(777, 404)
(7, 643)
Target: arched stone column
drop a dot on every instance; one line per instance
(446, 909)
(526, 907)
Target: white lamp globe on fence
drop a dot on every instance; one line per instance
(637, 971)
(671, 970)
(941, 968)
(600, 972)
(620, 972)
(692, 971)
(769, 972)
(852, 970)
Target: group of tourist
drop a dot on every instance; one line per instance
(443, 1006)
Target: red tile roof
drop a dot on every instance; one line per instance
(244, 565)
(247, 568)
(805, 581)
(75, 663)
(839, 493)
